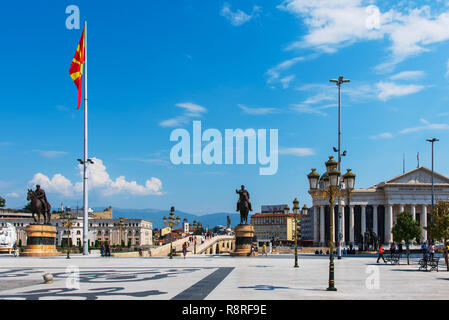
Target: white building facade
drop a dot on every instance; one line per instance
(376, 208)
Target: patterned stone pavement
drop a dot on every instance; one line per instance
(216, 277)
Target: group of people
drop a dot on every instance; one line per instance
(105, 250)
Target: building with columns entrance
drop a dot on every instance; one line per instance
(376, 208)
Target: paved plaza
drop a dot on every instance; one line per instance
(217, 277)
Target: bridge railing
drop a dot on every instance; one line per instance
(212, 241)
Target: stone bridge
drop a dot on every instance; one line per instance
(215, 245)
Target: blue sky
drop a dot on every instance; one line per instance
(156, 66)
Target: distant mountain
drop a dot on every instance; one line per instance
(156, 215)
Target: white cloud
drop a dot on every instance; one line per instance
(305, 108)
(256, 111)
(98, 179)
(385, 135)
(331, 24)
(299, 152)
(275, 72)
(388, 90)
(408, 75)
(50, 153)
(286, 81)
(335, 24)
(426, 126)
(57, 184)
(238, 17)
(12, 195)
(191, 110)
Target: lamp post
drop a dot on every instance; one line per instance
(68, 224)
(339, 82)
(433, 195)
(297, 216)
(85, 162)
(172, 221)
(195, 226)
(331, 189)
(120, 228)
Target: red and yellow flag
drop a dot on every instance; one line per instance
(76, 68)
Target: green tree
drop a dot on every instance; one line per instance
(2, 202)
(27, 207)
(129, 243)
(438, 227)
(406, 229)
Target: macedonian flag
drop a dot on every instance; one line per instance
(76, 68)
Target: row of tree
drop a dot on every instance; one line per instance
(406, 229)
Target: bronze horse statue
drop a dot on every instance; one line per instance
(243, 205)
(37, 207)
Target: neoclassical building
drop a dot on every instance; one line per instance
(376, 208)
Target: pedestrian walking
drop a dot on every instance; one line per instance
(184, 249)
(424, 249)
(16, 250)
(381, 254)
(400, 248)
(264, 249)
(431, 250)
(107, 250)
(102, 250)
(140, 249)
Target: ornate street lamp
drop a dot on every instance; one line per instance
(195, 225)
(68, 217)
(331, 190)
(296, 221)
(172, 221)
(313, 179)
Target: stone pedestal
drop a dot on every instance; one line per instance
(41, 241)
(244, 234)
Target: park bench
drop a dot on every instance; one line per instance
(393, 258)
(429, 264)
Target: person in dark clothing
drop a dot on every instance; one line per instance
(392, 248)
(400, 248)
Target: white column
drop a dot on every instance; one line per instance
(363, 220)
(401, 208)
(315, 225)
(351, 223)
(424, 222)
(322, 235)
(375, 220)
(413, 211)
(388, 223)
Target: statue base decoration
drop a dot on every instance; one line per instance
(41, 241)
(244, 234)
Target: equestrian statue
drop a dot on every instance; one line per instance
(243, 204)
(39, 204)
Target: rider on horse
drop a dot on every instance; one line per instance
(243, 196)
(40, 194)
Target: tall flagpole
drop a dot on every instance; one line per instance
(85, 200)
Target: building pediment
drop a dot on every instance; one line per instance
(420, 175)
